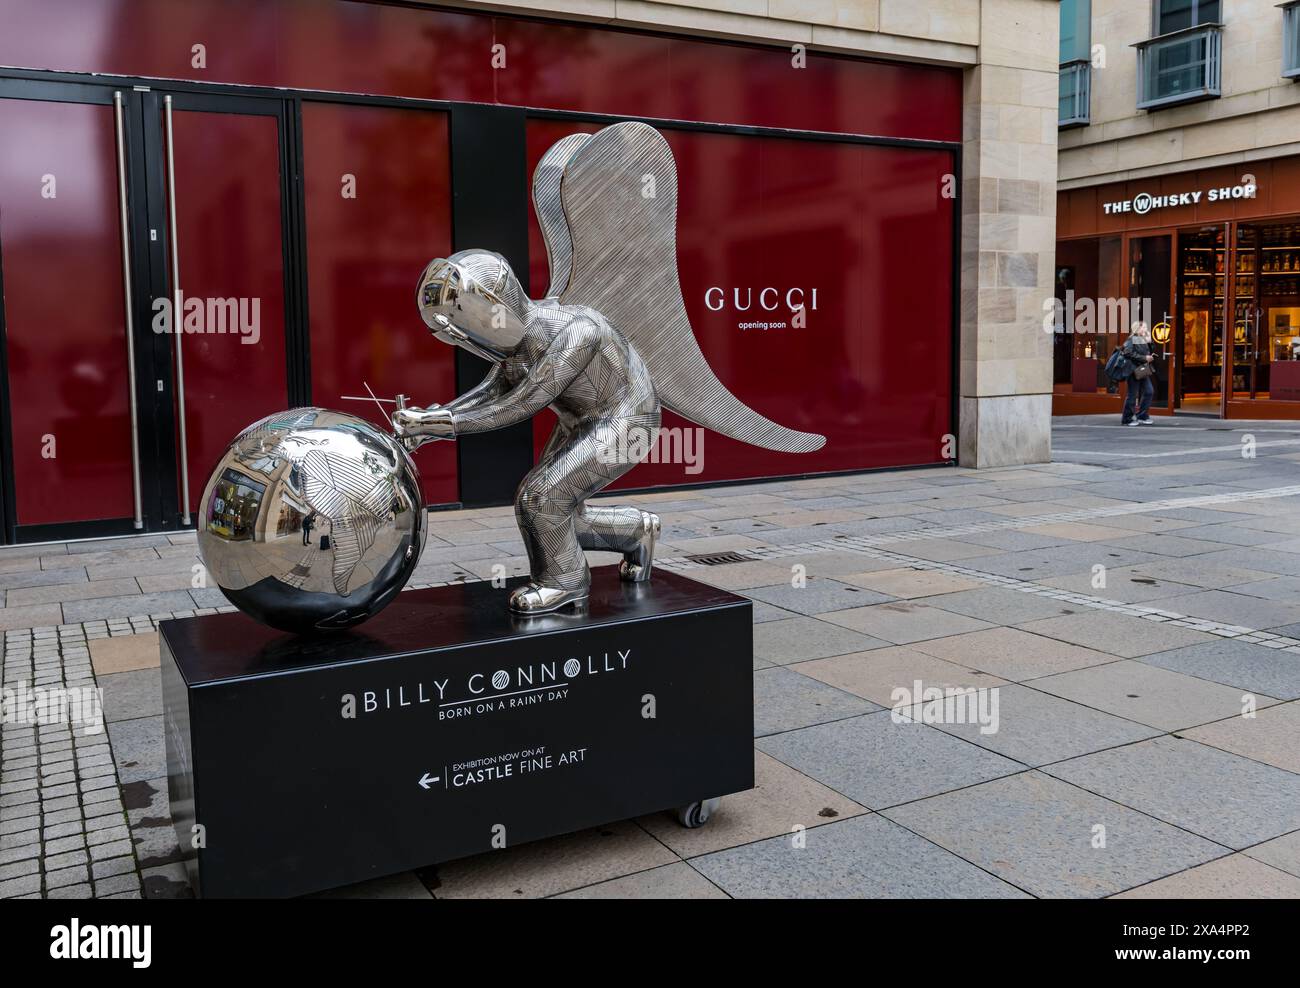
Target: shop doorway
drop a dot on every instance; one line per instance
(142, 273)
(1203, 271)
(1151, 278)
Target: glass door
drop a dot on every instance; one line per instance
(1198, 330)
(143, 299)
(1267, 328)
(219, 277)
(74, 367)
(1151, 279)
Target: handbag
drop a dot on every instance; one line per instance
(1143, 371)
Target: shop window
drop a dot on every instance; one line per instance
(1266, 325)
(1291, 40)
(1183, 62)
(1076, 64)
(1092, 313)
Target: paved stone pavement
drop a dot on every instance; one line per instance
(1130, 613)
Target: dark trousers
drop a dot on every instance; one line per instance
(1139, 394)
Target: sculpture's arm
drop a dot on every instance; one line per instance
(492, 386)
(416, 426)
(566, 358)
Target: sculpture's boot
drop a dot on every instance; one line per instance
(536, 598)
(637, 563)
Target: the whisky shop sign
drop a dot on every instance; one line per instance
(1145, 202)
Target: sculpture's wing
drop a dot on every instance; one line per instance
(619, 193)
(550, 210)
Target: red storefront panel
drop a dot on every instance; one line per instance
(229, 237)
(65, 327)
(865, 226)
(386, 50)
(378, 210)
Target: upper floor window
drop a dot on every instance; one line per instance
(1076, 30)
(1074, 99)
(1291, 39)
(1174, 15)
(1183, 61)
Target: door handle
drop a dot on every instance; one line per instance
(177, 299)
(123, 215)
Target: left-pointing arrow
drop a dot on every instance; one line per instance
(427, 780)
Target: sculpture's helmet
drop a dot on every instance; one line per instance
(473, 300)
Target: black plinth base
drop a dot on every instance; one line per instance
(445, 727)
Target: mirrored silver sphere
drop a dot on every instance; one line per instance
(312, 520)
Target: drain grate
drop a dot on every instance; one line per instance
(720, 558)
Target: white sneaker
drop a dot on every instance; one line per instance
(1145, 421)
(1133, 424)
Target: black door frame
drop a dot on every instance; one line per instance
(96, 94)
(163, 403)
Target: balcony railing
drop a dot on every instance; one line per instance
(1291, 39)
(1180, 67)
(1076, 93)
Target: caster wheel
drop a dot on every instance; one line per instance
(697, 814)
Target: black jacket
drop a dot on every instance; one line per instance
(1137, 354)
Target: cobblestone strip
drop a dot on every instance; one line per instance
(63, 827)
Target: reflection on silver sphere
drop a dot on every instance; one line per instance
(312, 520)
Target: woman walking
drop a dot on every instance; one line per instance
(1141, 378)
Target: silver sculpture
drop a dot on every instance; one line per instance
(312, 520)
(609, 344)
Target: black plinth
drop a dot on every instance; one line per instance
(445, 727)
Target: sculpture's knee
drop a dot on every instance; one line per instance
(530, 498)
(537, 493)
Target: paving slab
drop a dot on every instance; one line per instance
(1243, 665)
(105, 608)
(138, 748)
(998, 605)
(1042, 835)
(1271, 736)
(903, 622)
(877, 674)
(817, 596)
(58, 593)
(867, 857)
(674, 881)
(781, 800)
(909, 584)
(1233, 877)
(1036, 729)
(33, 616)
(1221, 796)
(1280, 588)
(1118, 634)
(785, 701)
(131, 694)
(1012, 654)
(876, 762)
(801, 638)
(125, 653)
(1148, 694)
(552, 866)
(1233, 608)
(1280, 852)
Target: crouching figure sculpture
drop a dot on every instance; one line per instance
(606, 348)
